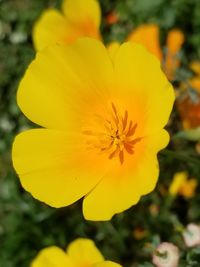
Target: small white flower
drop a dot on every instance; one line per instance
(166, 255)
(18, 37)
(191, 235)
(6, 125)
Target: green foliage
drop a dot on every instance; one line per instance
(27, 225)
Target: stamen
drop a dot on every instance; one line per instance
(116, 136)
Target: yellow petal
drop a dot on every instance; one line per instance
(112, 49)
(148, 36)
(140, 78)
(195, 83)
(175, 40)
(122, 187)
(195, 66)
(178, 180)
(84, 15)
(188, 188)
(81, 18)
(83, 252)
(51, 257)
(54, 167)
(61, 81)
(107, 264)
(51, 28)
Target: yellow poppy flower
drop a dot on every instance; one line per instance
(79, 18)
(103, 126)
(81, 252)
(183, 186)
(148, 35)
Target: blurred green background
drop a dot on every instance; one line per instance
(26, 225)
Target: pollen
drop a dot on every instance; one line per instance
(117, 136)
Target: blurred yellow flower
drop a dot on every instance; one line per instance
(103, 123)
(189, 110)
(81, 252)
(140, 233)
(154, 209)
(195, 80)
(183, 186)
(79, 18)
(188, 103)
(195, 66)
(175, 40)
(148, 35)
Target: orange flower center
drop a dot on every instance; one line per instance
(117, 136)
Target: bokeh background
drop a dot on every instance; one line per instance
(26, 225)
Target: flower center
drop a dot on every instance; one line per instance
(117, 136)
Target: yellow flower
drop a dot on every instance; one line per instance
(103, 126)
(175, 40)
(195, 66)
(182, 185)
(195, 81)
(79, 18)
(148, 35)
(80, 253)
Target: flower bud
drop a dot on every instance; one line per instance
(191, 235)
(166, 255)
